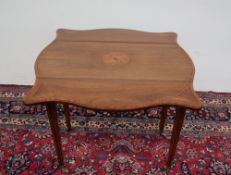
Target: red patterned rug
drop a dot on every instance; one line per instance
(114, 143)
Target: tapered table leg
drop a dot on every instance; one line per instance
(180, 112)
(67, 116)
(52, 116)
(163, 118)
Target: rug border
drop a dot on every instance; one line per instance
(23, 85)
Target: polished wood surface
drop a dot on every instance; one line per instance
(163, 118)
(178, 122)
(67, 116)
(53, 120)
(114, 69)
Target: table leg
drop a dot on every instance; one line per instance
(67, 116)
(178, 122)
(163, 118)
(52, 116)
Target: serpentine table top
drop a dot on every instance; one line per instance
(114, 70)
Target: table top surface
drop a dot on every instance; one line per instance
(114, 69)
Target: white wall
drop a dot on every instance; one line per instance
(203, 27)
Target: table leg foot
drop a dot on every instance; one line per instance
(162, 119)
(52, 116)
(178, 122)
(67, 116)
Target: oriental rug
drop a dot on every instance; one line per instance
(120, 143)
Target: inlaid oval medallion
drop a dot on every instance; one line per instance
(116, 58)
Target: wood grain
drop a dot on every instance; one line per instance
(114, 69)
(178, 122)
(164, 114)
(53, 120)
(67, 116)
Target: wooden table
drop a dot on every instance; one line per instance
(114, 70)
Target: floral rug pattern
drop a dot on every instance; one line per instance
(114, 143)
